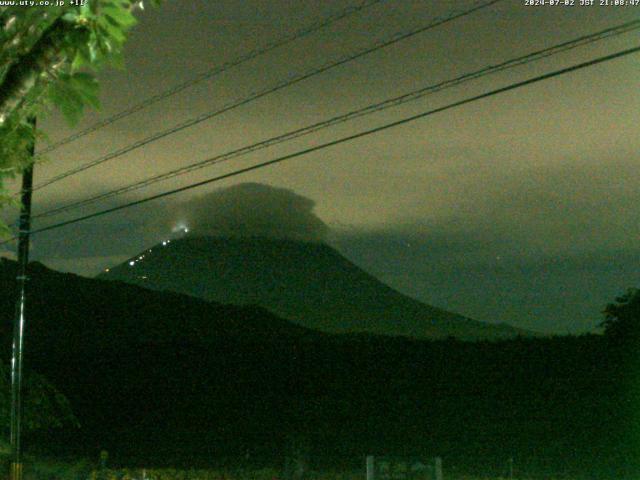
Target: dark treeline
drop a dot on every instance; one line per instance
(563, 405)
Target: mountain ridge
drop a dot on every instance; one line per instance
(177, 396)
(119, 313)
(309, 283)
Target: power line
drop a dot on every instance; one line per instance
(206, 75)
(399, 100)
(348, 138)
(262, 93)
(256, 95)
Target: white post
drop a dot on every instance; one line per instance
(371, 474)
(437, 468)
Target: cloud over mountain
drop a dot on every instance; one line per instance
(250, 210)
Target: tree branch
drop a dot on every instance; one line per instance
(18, 36)
(23, 75)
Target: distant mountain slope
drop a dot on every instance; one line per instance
(309, 283)
(98, 314)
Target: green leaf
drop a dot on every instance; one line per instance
(70, 17)
(81, 59)
(107, 29)
(90, 7)
(91, 45)
(87, 87)
(120, 15)
(69, 101)
(105, 47)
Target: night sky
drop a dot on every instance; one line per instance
(522, 208)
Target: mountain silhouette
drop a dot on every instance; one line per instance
(89, 313)
(166, 379)
(309, 283)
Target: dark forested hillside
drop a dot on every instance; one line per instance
(164, 379)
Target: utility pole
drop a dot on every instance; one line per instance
(24, 227)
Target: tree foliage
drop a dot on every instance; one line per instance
(622, 319)
(48, 58)
(44, 406)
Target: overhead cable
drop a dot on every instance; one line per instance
(342, 140)
(216, 70)
(393, 102)
(267, 91)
